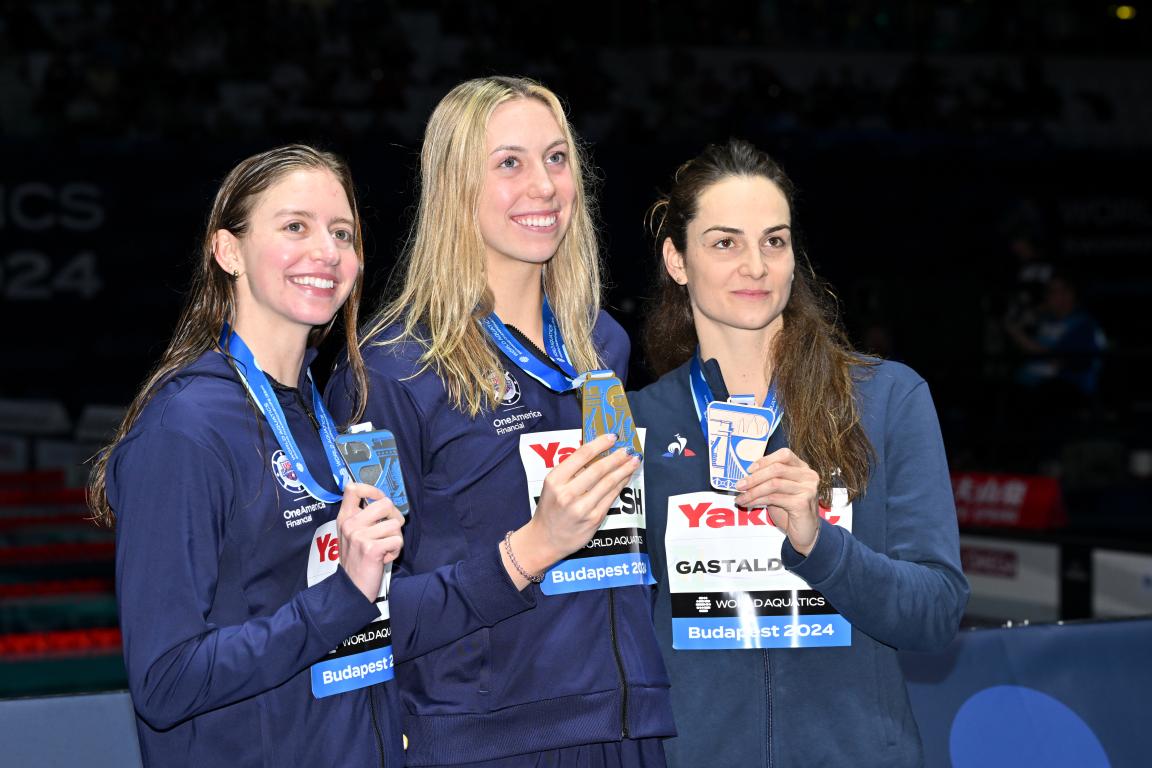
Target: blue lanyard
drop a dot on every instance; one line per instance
(528, 362)
(262, 393)
(702, 396)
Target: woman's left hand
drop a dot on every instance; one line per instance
(790, 490)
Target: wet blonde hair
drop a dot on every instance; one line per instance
(445, 285)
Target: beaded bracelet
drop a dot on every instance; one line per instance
(516, 563)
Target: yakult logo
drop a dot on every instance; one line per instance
(723, 517)
(551, 453)
(327, 548)
(324, 554)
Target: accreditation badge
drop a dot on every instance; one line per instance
(617, 556)
(365, 658)
(728, 585)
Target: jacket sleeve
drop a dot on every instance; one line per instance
(912, 595)
(172, 498)
(433, 608)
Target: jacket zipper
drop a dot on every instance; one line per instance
(768, 709)
(371, 690)
(547, 360)
(619, 663)
(376, 725)
(307, 410)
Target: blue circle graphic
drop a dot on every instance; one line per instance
(1011, 725)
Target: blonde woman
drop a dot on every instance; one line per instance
(222, 483)
(472, 365)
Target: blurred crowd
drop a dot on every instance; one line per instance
(635, 71)
(912, 76)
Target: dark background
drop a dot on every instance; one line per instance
(925, 139)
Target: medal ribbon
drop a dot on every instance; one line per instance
(702, 396)
(528, 362)
(264, 396)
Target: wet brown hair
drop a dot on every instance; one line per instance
(813, 363)
(211, 298)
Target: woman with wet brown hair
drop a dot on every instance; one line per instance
(243, 556)
(800, 519)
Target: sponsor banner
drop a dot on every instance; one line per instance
(617, 555)
(1011, 580)
(364, 658)
(728, 585)
(706, 634)
(1008, 501)
(1121, 583)
(348, 673)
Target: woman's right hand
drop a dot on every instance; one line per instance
(573, 503)
(369, 537)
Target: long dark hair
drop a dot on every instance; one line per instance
(211, 298)
(812, 360)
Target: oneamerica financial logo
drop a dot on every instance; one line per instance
(515, 422)
(678, 447)
(285, 473)
(301, 515)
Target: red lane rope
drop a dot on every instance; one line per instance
(18, 497)
(61, 587)
(38, 479)
(52, 521)
(69, 551)
(70, 642)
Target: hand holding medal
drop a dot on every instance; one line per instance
(782, 481)
(369, 535)
(573, 503)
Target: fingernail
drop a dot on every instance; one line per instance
(741, 484)
(612, 436)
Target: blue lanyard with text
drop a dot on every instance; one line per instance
(262, 393)
(702, 396)
(528, 362)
